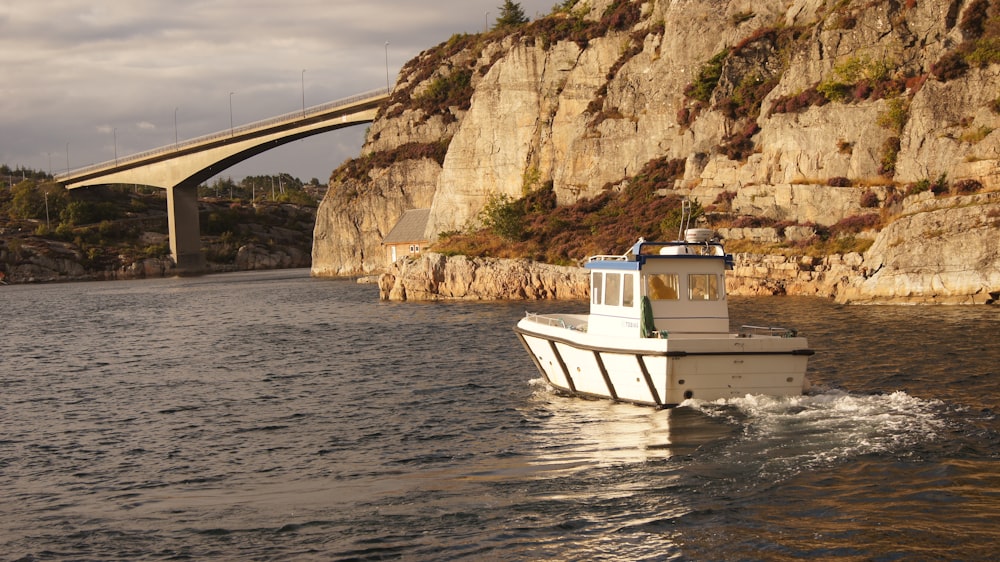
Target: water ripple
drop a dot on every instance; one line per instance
(273, 416)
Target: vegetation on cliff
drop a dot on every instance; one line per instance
(442, 79)
(980, 26)
(646, 206)
(535, 227)
(358, 169)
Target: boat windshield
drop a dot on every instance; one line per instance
(663, 286)
(703, 287)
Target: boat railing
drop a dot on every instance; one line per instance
(608, 257)
(710, 248)
(555, 321)
(773, 331)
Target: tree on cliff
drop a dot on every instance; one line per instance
(511, 15)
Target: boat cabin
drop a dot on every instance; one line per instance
(682, 284)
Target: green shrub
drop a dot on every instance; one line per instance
(918, 187)
(937, 187)
(834, 90)
(855, 79)
(88, 212)
(890, 151)
(708, 78)
(503, 216)
(445, 91)
(896, 114)
(985, 52)
(156, 251)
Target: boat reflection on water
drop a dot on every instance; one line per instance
(575, 434)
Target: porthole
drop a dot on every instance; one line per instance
(789, 379)
(680, 381)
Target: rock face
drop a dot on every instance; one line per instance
(801, 93)
(252, 257)
(940, 251)
(436, 277)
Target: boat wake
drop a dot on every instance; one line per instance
(789, 434)
(753, 439)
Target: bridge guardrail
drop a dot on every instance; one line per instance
(283, 118)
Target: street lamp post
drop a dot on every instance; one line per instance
(115, 133)
(303, 93)
(231, 113)
(175, 126)
(387, 88)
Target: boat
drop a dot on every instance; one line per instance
(658, 332)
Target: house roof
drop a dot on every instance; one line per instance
(410, 228)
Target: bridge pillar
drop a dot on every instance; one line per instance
(185, 235)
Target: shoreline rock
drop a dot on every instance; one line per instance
(37, 267)
(434, 276)
(939, 251)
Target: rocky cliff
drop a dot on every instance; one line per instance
(807, 113)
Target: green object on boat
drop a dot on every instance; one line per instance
(647, 325)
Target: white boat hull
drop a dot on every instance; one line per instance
(665, 372)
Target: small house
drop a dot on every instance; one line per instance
(407, 238)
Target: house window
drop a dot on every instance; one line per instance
(612, 289)
(703, 287)
(663, 287)
(596, 282)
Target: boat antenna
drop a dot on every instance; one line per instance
(685, 218)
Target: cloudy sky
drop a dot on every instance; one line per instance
(82, 78)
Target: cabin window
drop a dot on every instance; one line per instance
(596, 282)
(612, 289)
(703, 287)
(627, 289)
(663, 287)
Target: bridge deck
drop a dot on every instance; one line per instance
(306, 115)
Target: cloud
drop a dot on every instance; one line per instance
(76, 71)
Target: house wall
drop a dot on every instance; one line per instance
(403, 249)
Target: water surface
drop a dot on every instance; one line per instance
(273, 416)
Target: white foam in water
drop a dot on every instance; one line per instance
(786, 433)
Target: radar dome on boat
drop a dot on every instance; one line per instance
(675, 250)
(697, 235)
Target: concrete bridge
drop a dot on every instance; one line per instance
(180, 168)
